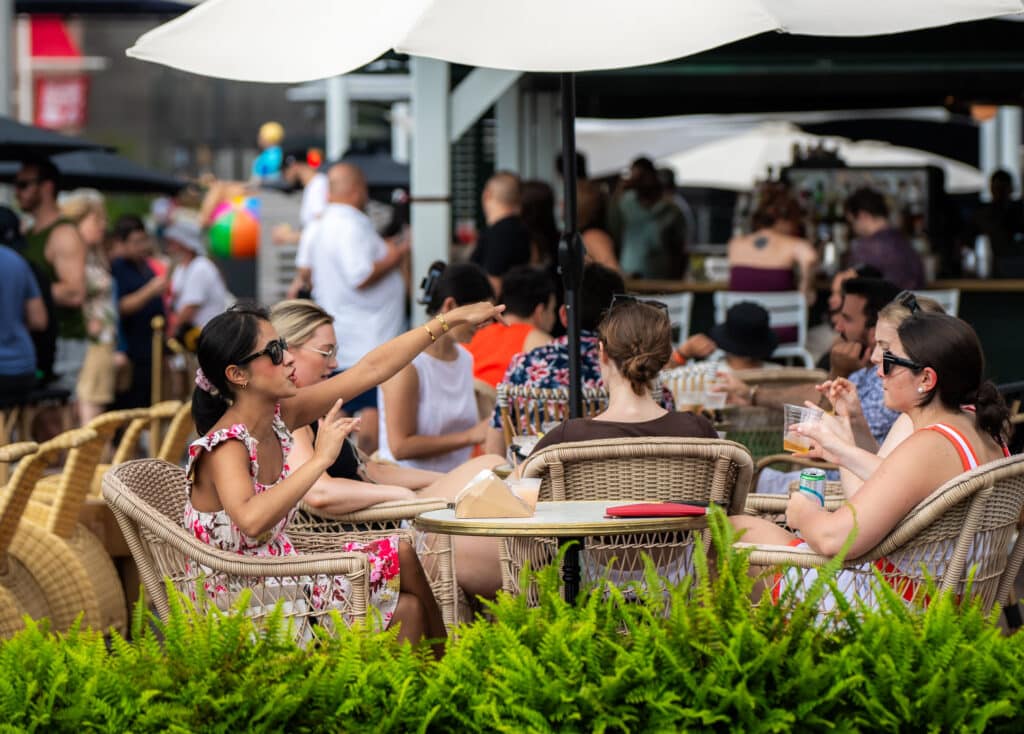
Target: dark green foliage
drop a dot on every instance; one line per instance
(616, 662)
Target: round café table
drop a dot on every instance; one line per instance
(569, 522)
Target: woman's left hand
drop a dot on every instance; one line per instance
(800, 505)
(476, 314)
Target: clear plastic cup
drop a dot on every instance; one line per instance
(714, 400)
(793, 414)
(526, 489)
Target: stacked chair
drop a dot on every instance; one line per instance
(44, 572)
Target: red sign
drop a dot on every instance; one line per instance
(61, 102)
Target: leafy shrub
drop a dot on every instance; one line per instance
(614, 662)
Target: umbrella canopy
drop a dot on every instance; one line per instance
(18, 141)
(738, 161)
(105, 171)
(301, 40)
(314, 39)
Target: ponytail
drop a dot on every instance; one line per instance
(991, 413)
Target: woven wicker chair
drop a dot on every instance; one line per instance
(970, 521)
(631, 470)
(524, 408)
(57, 503)
(85, 460)
(176, 436)
(43, 572)
(148, 499)
(11, 610)
(130, 445)
(325, 532)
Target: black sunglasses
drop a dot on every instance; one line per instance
(24, 183)
(620, 299)
(908, 300)
(275, 350)
(890, 360)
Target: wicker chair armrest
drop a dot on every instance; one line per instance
(15, 451)
(233, 563)
(783, 555)
(391, 510)
(794, 459)
(775, 504)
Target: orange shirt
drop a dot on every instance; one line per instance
(493, 348)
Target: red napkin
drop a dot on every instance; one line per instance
(656, 509)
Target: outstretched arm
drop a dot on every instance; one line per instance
(378, 366)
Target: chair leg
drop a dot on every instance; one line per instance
(1011, 610)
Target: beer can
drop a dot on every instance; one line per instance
(812, 481)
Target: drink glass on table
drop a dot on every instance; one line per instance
(792, 415)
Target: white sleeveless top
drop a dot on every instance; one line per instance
(447, 404)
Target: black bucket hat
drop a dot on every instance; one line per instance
(746, 332)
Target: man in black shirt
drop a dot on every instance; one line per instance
(505, 242)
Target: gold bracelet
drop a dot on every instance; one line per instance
(429, 333)
(444, 322)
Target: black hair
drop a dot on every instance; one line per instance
(867, 271)
(876, 292)
(126, 225)
(951, 347)
(45, 170)
(466, 283)
(1001, 175)
(537, 210)
(867, 200)
(226, 340)
(581, 165)
(523, 287)
(598, 286)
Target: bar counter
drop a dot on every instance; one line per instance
(994, 307)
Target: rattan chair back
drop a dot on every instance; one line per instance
(965, 528)
(42, 572)
(148, 498)
(175, 440)
(633, 470)
(524, 409)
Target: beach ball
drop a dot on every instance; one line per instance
(235, 231)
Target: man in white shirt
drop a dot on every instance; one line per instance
(299, 167)
(356, 279)
(198, 292)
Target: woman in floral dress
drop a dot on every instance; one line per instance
(242, 491)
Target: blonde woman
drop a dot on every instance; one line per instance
(95, 388)
(352, 482)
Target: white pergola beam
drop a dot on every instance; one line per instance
(474, 95)
(430, 170)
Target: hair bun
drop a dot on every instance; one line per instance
(429, 283)
(991, 413)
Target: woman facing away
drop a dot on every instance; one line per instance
(428, 417)
(634, 344)
(931, 367)
(352, 483)
(242, 491)
(765, 260)
(95, 388)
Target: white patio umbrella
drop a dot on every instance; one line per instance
(302, 40)
(738, 161)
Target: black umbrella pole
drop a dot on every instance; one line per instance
(570, 248)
